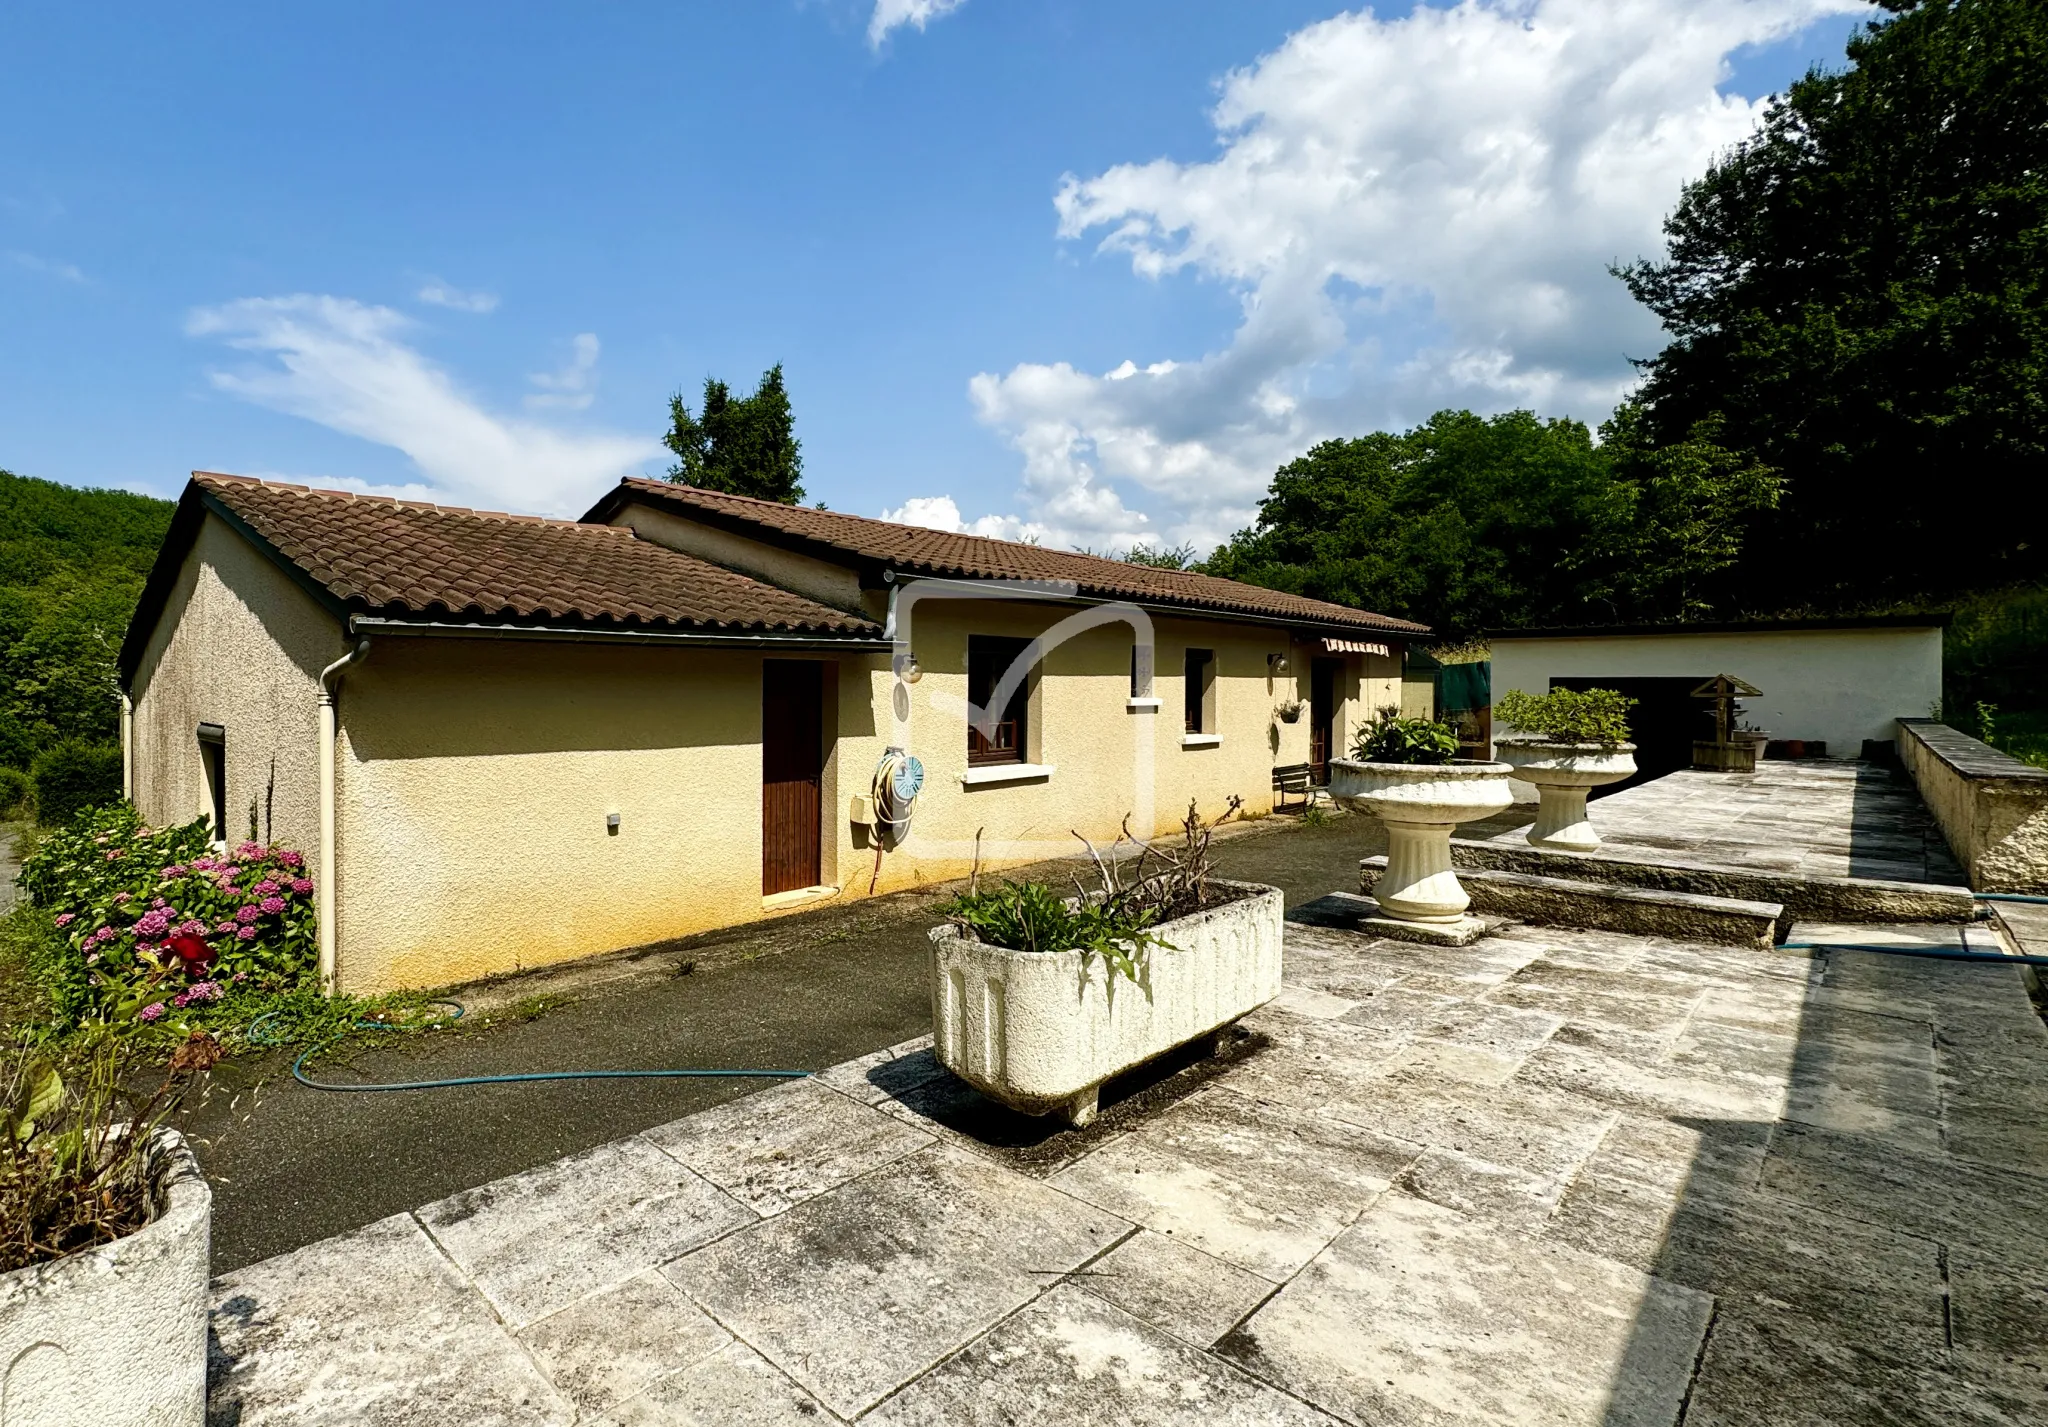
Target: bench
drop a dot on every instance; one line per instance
(1296, 780)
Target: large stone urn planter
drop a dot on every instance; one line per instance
(1563, 774)
(1040, 1031)
(116, 1336)
(1421, 804)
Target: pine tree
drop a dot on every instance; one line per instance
(741, 445)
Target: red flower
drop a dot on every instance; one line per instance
(196, 954)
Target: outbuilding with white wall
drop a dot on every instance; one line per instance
(1832, 682)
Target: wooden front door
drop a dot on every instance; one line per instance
(792, 769)
(1322, 715)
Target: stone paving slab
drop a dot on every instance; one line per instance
(853, 1294)
(613, 1345)
(1172, 1285)
(776, 1149)
(605, 1216)
(1761, 1368)
(1420, 1314)
(1798, 1188)
(1072, 1358)
(734, 1387)
(371, 1329)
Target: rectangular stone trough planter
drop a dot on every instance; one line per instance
(1041, 1031)
(116, 1336)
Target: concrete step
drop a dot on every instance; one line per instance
(1835, 899)
(1604, 906)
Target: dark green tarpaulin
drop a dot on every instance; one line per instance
(1464, 686)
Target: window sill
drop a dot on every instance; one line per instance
(1142, 705)
(1201, 740)
(1006, 773)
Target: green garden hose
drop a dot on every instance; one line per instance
(257, 1037)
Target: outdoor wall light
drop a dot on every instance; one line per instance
(611, 824)
(1277, 663)
(907, 668)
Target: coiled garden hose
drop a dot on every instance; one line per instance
(259, 1037)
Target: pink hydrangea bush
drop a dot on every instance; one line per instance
(163, 925)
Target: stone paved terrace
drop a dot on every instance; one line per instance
(1551, 1178)
(1807, 819)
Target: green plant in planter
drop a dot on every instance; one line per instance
(1030, 916)
(1391, 739)
(1597, 716)
(73, 1154)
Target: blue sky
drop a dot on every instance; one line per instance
(467, 251)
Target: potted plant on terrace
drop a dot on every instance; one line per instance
(1039, 997)
(1566, 743)
(1406, 772)
(105, 1226)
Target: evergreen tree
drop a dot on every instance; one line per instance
(742, 445)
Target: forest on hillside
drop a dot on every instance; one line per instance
(72, 565)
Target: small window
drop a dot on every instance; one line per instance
(213, 763)
(988, 659)
(1196, 678)
(1141, 671)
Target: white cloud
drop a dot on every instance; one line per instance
(893, 14)
(344, 365)
(1415, 213)
(942, 512)
(440, 294)
(64, 272)
(574, 386)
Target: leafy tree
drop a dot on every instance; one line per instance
(1464, 523)
(72, 564)
(742, 445)
(1677, 520)
(1857, 294)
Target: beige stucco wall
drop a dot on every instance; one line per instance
(239, 645)
(476, 775)
(1841, 686)
(820, 580)
(1095, 743)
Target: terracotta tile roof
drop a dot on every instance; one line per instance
(937, 552)
(406, 558)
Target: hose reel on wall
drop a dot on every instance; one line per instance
(899, 778)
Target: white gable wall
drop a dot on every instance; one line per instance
(1838, 685)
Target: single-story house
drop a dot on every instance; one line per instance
(1827, 684)
(505, 741)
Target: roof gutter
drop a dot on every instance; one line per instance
(446, 629)
(897, 579)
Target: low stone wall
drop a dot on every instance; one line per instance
(1992, 808)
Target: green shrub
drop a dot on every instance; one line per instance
(1566, 715)
(1030, 916)
(1389, 739)
(160, 932)
(17, 794)
(75, 775)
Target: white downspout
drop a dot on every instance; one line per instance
(127, 748)
(324, 888)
